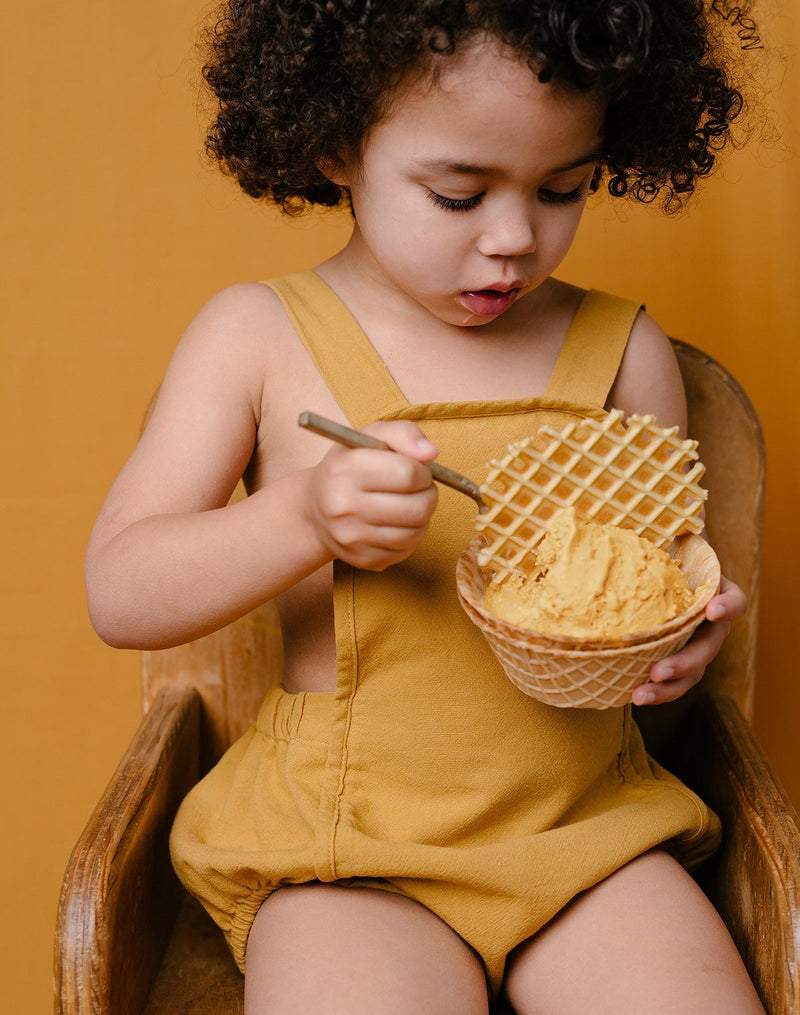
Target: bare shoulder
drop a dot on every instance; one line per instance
(649, 379)
(234, 325)
(228, 349)
(242, 303)
(205, 421)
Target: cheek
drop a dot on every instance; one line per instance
(406, 250)
(423, 236)
(561, 231)
(390, 215)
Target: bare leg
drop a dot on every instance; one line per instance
(646, 941)
(344, 951)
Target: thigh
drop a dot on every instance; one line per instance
(334, 949)
(645, 941)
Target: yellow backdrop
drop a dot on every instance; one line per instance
(118, 232)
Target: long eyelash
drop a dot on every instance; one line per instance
(455, 204)
(554, 197)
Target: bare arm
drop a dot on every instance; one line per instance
(649, 380)
(170, 560)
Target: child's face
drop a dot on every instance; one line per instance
(469, 194)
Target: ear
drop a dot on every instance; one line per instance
(335, 170)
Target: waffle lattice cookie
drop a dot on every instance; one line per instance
(633, 474)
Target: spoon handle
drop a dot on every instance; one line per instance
(356, 439)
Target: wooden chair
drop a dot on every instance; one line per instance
(130, 941)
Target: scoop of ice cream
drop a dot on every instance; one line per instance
(592, 581)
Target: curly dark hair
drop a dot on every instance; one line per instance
(300, 81)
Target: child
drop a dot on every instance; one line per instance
(402, 830)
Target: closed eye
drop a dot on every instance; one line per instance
(561, 197)
(454, 203)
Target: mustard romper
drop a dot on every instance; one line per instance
(426, 768)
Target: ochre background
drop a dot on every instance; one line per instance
(118, 232)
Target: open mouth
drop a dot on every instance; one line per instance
(489, 302)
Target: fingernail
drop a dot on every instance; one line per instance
(427, 446)
(714, 612)
(664, 673)
(643, 697)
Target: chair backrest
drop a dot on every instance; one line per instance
(723, 420)
(233, 668)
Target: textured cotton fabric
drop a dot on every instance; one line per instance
(426, 771)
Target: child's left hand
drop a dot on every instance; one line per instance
(673, 676)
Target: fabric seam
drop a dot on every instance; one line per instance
(493, 408)
(353, 668)
(272, 738)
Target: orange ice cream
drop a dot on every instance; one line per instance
(592, 581)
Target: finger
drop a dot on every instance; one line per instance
(695, 655)
(675, 675)
(389, 472)
(406, 437)
(408, 511)
(395, 539)
(385, 547)
(356, 539)
(651, 693)
(729, 603)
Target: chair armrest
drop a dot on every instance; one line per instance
(754, 880)
(120, 896)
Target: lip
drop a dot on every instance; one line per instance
(501, 287)
(491, 301)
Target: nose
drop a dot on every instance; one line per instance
(509, 235)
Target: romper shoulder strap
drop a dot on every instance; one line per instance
(593, 349)
(348, 362)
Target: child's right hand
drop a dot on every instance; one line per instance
(371, 508)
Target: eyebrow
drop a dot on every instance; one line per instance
(468, 169)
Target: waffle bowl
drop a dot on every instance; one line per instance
(633, 474)
(586, 674)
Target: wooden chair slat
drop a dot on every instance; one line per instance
(754, 878)
(723, 420)
(120, 895)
